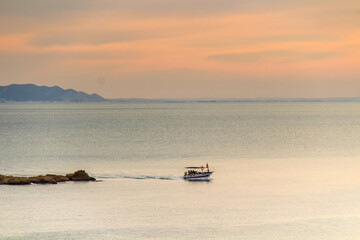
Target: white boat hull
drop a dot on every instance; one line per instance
(198, 176)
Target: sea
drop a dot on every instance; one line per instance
(282, 170)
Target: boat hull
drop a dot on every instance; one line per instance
(198, 177)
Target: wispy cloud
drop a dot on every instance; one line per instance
(167, 8)
(279, 56)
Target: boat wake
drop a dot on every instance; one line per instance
(117, 176)
(152, 177)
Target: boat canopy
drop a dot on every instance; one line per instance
(194, 167)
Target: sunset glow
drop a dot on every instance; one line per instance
(178, 49)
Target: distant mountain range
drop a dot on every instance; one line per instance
(31, 92)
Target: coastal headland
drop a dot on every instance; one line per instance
(79, 175)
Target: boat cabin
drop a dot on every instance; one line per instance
(197, 170)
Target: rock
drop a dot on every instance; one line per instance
(58, 178)
(2, 177)
(42, 180)
(79, 175)
(10, 180)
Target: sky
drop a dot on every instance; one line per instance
(184, 48)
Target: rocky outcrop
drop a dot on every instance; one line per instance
(10, 180)
(79, 175)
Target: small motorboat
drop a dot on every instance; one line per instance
(198, 173)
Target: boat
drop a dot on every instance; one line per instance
(198, 173)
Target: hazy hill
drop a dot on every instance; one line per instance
(31, 92)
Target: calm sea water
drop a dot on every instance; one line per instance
(282, 171)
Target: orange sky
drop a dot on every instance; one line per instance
(181, 49)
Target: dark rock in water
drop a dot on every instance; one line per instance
(10, 180)
(80, 175)
(57, 178)
(42, 180)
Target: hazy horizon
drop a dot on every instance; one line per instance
(209, 99)
(184, 49)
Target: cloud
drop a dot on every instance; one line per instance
(151, 7)
(91, 37)
(280, 56)
(237, 41)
